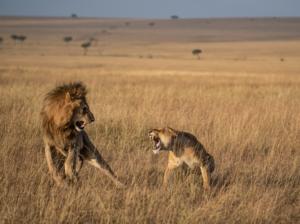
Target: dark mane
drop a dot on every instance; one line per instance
(54, 114)
(77, 90)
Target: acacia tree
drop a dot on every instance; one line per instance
(14, 37)
(22, 38)
(151, 24)
(197, 52)
(85, 47)
(68, 39)
(74, 16)
(18, 38)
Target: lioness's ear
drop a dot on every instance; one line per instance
(68, 98)
(172, 131)
(152, 132)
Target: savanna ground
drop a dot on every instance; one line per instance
(241, 99)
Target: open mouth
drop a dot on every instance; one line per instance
(79, 125)
(157, 145)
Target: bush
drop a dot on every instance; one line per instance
(68, 39)
(197, 52)
(174, 17)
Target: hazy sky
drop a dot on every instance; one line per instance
(151, 8)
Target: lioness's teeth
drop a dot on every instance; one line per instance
(156, 151)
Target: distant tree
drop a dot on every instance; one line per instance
(68, 39)
(22, 38)
(85, 47)
(112, 27)
(14, 37)
(174, 17)
(127, 23)
(197, 52)
(151, 24)
(1, 40)
(74, 16)
(105, 32)
(18, 38)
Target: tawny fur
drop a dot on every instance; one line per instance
(183, 148)
(64, 114)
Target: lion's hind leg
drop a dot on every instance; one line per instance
(103, 166)
(90, 153)
(51, 166)
(93, 157)
(79, 164)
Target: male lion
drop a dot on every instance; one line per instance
(183, 148)
(65, 113)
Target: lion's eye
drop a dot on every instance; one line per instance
(84, 109)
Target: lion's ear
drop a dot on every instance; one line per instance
(172, 131)
(68, 98)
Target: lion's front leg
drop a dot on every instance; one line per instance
(103, 166)
(70, 163)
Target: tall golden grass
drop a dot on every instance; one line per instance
(250, 124)
(241, 100)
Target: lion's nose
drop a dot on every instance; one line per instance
(92, 118)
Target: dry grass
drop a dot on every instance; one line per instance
(248, 121)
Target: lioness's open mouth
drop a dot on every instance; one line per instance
(157, 145)
(79, 125)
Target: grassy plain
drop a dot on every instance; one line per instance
(241, 99)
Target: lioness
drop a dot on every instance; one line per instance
(183, 147)
(65, 113)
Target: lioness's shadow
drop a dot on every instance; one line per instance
(221, 181)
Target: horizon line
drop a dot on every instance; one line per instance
(146, 18)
